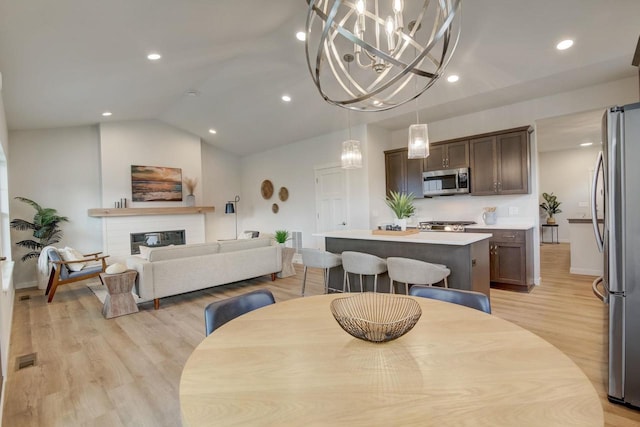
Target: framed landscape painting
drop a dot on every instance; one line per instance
(154, 183)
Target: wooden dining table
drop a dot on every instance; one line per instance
(291, 364)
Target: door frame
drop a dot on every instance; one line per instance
(347, 209)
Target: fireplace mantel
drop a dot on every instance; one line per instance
(178, 210)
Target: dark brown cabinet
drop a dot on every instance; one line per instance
(403, 174)
(500, 163)
(510, 258)
(450, 155)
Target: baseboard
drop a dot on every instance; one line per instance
(25, 285)
(585, 271)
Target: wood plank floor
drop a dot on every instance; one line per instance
(126, 371)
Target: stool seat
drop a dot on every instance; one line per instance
(316, 258)
(416, 272)
(362, 264)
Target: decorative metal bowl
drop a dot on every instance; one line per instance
(376, 317)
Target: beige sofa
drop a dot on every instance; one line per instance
(174, 270)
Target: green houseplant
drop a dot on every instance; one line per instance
(402, 206)
(282, 236)
(551, 206)
(45, 226)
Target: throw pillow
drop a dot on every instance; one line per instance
(144, 251)
(116, 268)
(70, 254)
(245, 235)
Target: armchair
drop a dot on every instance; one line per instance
(61, 274)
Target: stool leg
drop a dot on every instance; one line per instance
(375, 283)
(446, 283)
(345, 282)
(406, 288)
(326, 280)
(361, 284)
(304, 279)
(391, 287)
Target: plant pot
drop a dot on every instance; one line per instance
(551, 220)
(402, 223)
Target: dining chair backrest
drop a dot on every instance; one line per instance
(218, 313)
(471, 299)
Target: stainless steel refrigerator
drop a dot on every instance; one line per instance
(618, 167)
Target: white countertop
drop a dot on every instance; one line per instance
(522, 226)
(434, 238)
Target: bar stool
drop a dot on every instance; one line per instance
(415, 272)
(362, 264)
(316, 258)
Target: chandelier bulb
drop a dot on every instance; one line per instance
(397, 6)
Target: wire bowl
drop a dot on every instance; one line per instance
(376, 317)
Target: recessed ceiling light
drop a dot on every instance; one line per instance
(301, 35)
(453, 78)
(286, 98)
(586, 144)
(213, 131)
(106, 113)
(193, 92)
(564, 44)
(154, 56)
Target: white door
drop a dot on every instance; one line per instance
(331, 200)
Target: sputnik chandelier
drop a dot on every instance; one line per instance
(394, 42)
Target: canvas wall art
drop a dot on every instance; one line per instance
(154, 183)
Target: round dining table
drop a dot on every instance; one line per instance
(291, 364)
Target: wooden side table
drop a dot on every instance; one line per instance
(287, 263)
(119, 299)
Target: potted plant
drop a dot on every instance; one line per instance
(402, 206)
(551, 206)
(190, 183)
(45, 226)
(282, 236)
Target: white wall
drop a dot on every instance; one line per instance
(221, 182)
(567, 174)
(292, 166)
(146, 143)
(57, 168)
(378, 140)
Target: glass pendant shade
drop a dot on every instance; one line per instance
(351, 154)
(418, 141)
(229, 209)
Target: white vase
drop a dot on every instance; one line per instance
(190, 199)
(402, 223)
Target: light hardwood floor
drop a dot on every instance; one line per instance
(125, 371)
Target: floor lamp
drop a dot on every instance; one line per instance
(231, 208)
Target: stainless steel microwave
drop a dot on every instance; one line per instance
(444, 182)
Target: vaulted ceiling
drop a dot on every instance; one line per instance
(63, 63)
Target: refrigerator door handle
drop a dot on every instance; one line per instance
(594, 286)
(594, 203)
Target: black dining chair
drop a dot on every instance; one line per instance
(471, 299)
(218, 313)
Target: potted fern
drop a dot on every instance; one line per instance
(551, 206)
(402, 206)
(281, 236)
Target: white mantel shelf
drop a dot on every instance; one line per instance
(179, 210)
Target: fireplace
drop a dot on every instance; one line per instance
(156, 239)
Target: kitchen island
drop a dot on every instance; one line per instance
(465, 254)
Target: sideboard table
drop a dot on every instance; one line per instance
(119, 299)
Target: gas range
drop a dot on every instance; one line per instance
(456, 226)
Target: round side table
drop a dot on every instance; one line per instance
(119, 299)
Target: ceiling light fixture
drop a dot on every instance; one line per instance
(586, 144)
(213, 131)
(351, 149)
(286, 98)
(107, 113)
(453, 78)
(301, 35)
(564, 44)
(389, 53)
(154, 56)
(418, 147)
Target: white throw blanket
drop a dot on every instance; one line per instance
(43, 260)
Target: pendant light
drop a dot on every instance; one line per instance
(351, 149)
(418, 140)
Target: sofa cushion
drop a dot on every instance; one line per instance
(239, 245)
(183, 251)
(70, 254)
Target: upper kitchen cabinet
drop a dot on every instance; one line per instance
(403, 174)
(447, 155)
(500, 163)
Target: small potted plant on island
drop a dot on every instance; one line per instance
(281, 237)
(402, 206)
(551, 206)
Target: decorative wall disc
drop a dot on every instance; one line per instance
(275, 208)
(266, 189)
(283, 194)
